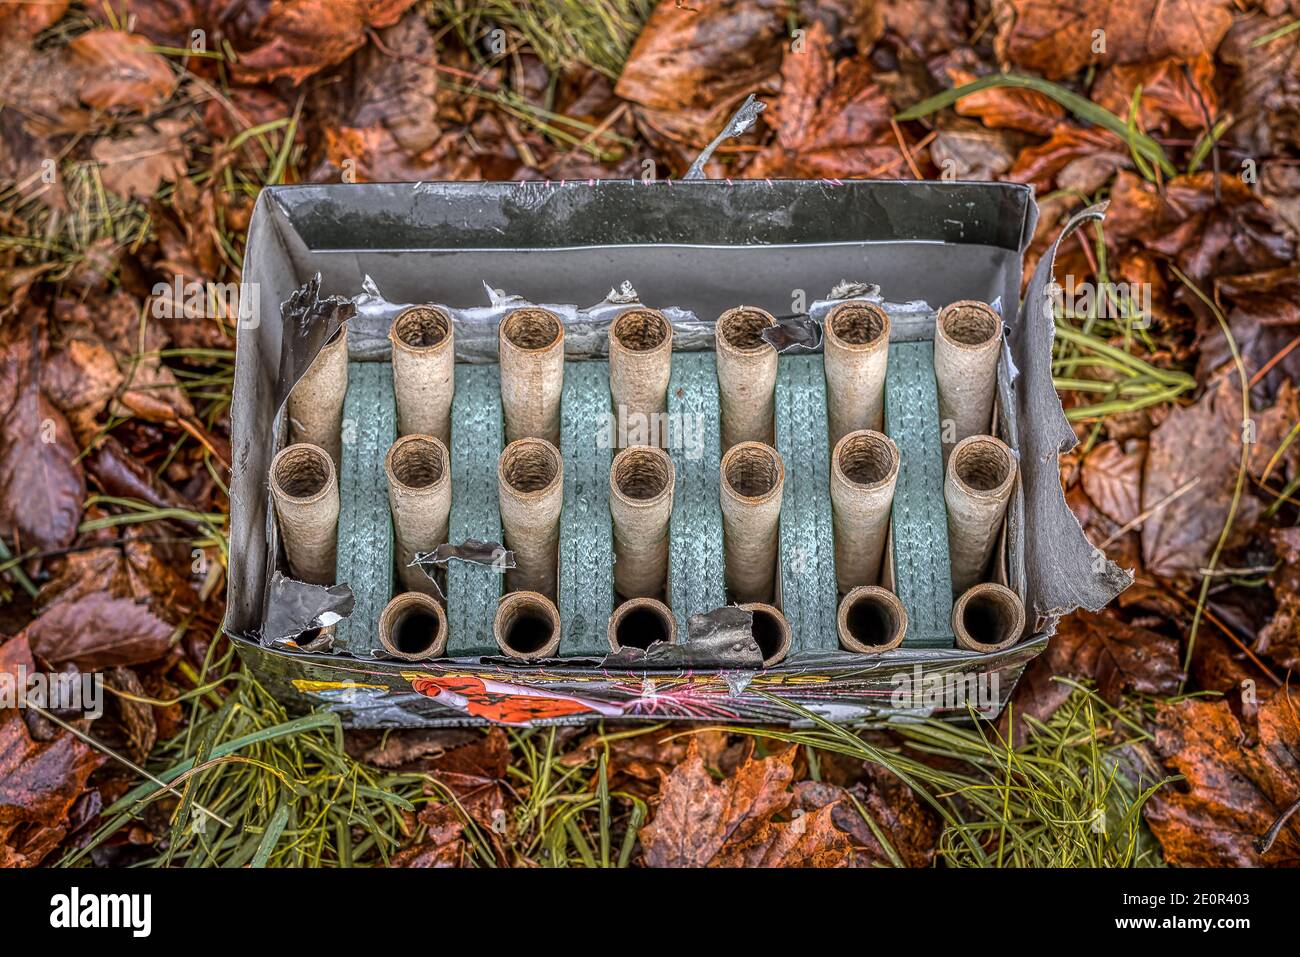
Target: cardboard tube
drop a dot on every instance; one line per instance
(413, 627)
(305, 489)
(746, 376)
(530, 345)
(753, 477)
(967, 343)
(855, 346)
(770, 631)
(424, 362)
(871, 620)
(981, 474)
(527, 625)
(864, 471)
(988, 617)
(641, 482)
(418, 469)
(316, 401)
(530, 486)
(639, 623)
(640, 361)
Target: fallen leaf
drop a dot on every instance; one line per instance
(39, 470)
(26, 19)
(139, 163)
(1263, 313)
(1264, 93)
(1280, 638)
(97, 631)
(1232, 794)
(440, 842)
(39, 781)
(1008, 107)
(299, 38)
(1174, 90)
(1073, 157)
(1112, 477)
(1059, 37)
(120, 70)
(910, 827)
(830, 121)
(692, 65)
(700, 823)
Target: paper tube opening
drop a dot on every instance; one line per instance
(421, 327)
(770, 631)
(527, 625)
(531, 330)
(413, 627)
(640, 330)
(741, 329)
(302, 473)
(417, 462)
(983, 465)
(988, 617)
(857, 326)
(642, 475)
(969, 324)
(530, 466)
(871, 620)
(639, 623)
(752, 471)
(867, 459)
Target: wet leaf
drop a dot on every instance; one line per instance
(1073, 157)
(1059, 37)
(700, 823)
(1172, 90)
(120, 70)
(910, 828)
(1233, 793)
(1112, 477)
(1006, 107)
(97, 631)
(1280, 638)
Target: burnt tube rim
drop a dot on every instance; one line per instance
(415, 439)
(999, 594)
(617, 342)
(399, 341)
(515, 316)
(632, 605)
(960, 452)
(632, 453)
(881, 598)
(722, 341)
(396, 611)
(877, 438)
(941, 330)
(521, 601)
(301, 450)
(875, 344)
(744, 448)
(757, 608)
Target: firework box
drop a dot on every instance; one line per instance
(321, 255)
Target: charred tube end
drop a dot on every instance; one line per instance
(532, 330)
(417, 463)
(770, 631)
(420, 329)
(413, 627)
(641, 330)
(865, 459)
(871, 620)
(302, 474)
(640, 622)
(739, 331)
(982, 466)
(527, 625)
(641, 476)
(530, 468)
(752, 472)
(968, 325)
(857, 327)
(988, 617)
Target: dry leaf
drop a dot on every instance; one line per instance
(1112, 477)
(97, 631)
(120, 70)
(142, 161)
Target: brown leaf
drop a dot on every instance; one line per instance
(1006, 107)
(1059, 37)
(1073, 157)
(700, 823)
(1112, 477)
(29, 19)
(1264, 317)
(97, 631)
(137, 164)
(440, 842)
(909, 826)
(39, 781)
(120, 70)
(1200, 443)
(1280, 638)
(1233, 793)
(692, 64)
(830, 121)
(43, 481)
(1117, 656)
(1171, 90)
(1264, 94)
(121, 475)
(298, 38)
